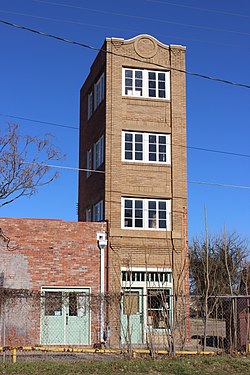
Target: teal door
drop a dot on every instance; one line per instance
(65, 317)
(132, 317)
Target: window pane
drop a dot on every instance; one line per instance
(138, 83)
(161, 76)
(138, 213)
(72, 304)
(162, 224)
(161, 85)
(152, 84)
(128, 223)
(162, 139)
(128, 73)
(162, 158)
(152, 157)
(138, 204)
(152, 138)
(128, 82)
(152, 147)
(128, 203)
(53, 303)
(162, 148)
(138, 156)
(162, 205)
(128, 146)
(128, 213)
(128, 155)
(152, 93)
(138, 146)
(152, 204)
(151, 75)
(162, 214)
(138, 74)
(162, 94)
(138, 137)
(128, 137)
(138, 223)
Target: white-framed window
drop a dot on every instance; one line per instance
(98, 211)
(151, 214)
(146, 147)
(89, 162)
(99, 152)
(90, 104)
(99, 91)
(146, 83)
(88, 214)
(155, 286)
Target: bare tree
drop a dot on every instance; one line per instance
(23, 163)
(218, 262)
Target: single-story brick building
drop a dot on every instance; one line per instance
(49, 271)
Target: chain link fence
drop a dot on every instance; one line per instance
(125, 321)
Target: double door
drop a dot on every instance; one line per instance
(65, 316)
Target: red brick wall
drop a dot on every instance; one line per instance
(44, 252)
(50, 252)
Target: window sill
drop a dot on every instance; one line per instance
(146, 99)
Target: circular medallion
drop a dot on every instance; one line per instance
(145, 47)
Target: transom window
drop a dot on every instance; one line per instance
(146, 147)
(146, 213)
(146, 83)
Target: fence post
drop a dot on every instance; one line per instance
(14, 355)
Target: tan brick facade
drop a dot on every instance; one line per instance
(117, 113)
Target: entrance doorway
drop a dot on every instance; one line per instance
(65, 316)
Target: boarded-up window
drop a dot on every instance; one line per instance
(131, 303)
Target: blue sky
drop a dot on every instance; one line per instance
(41, 79)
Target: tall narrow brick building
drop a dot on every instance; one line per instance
(133, 175)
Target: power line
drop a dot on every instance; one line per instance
(124, 56)
(196, 8)
(40, 122)
(103, 172)
(172, 144)
(116, 28)
(141, 17)
(218, 184)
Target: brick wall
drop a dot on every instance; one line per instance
(50, 252)
(44, 253)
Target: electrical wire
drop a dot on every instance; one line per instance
(172, 144)
(100, 11)
(124, 56)
(194, 8)
(40, 122)
(103, 172)
(117, 28)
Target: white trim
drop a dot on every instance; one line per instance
(144, 92)
(145, 214)
(145, 147)
(150, 269)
